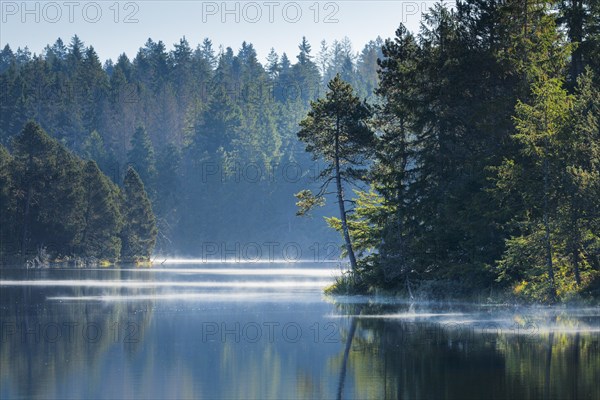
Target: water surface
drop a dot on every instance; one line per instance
(259, 331)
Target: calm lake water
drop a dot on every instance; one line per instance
(266, 331)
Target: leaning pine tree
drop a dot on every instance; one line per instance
(336, 132)
(139, 233)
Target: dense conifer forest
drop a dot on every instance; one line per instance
(210, 132)
(58, 206)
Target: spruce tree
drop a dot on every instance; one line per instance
(393, 170)
(538, 125)
(139, 232)
(533, 174)
(48, 182)
(8, 245)
(580, 153)
(306, 73)
(141, 157)
(273, 67)
(208, 54)
(62, 210)
(168, 194)
(94, 149)
(102, 216)
(34, 163)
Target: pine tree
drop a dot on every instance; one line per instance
(437, 144)
(285, 89)
(532, 175)
(216, 127)
(181, 58)
(75, 54)
(336, 131)
(93, 86)
(22, 56)
(580, 18)
(285, 62)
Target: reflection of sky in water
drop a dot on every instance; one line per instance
(215, 284)
(525, 322)
(145, 284)
(194, 327)
(509, 319)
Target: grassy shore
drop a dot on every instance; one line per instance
(353, 284)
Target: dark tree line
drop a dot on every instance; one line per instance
(56, 206)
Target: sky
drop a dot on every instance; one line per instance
(114, 27)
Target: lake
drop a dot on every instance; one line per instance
(266, 331)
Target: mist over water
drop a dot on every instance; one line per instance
(189, 329)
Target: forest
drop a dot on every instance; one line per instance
(212, 134)
(57, 206)
(461, 160)
(482, 153)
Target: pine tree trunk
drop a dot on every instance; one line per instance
(351, 334)
(548, 367)
(340, 196)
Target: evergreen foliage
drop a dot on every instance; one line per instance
(56, 204)
(486, 158)
(336, 131)
(139, 233)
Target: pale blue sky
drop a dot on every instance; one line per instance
(114, 27)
